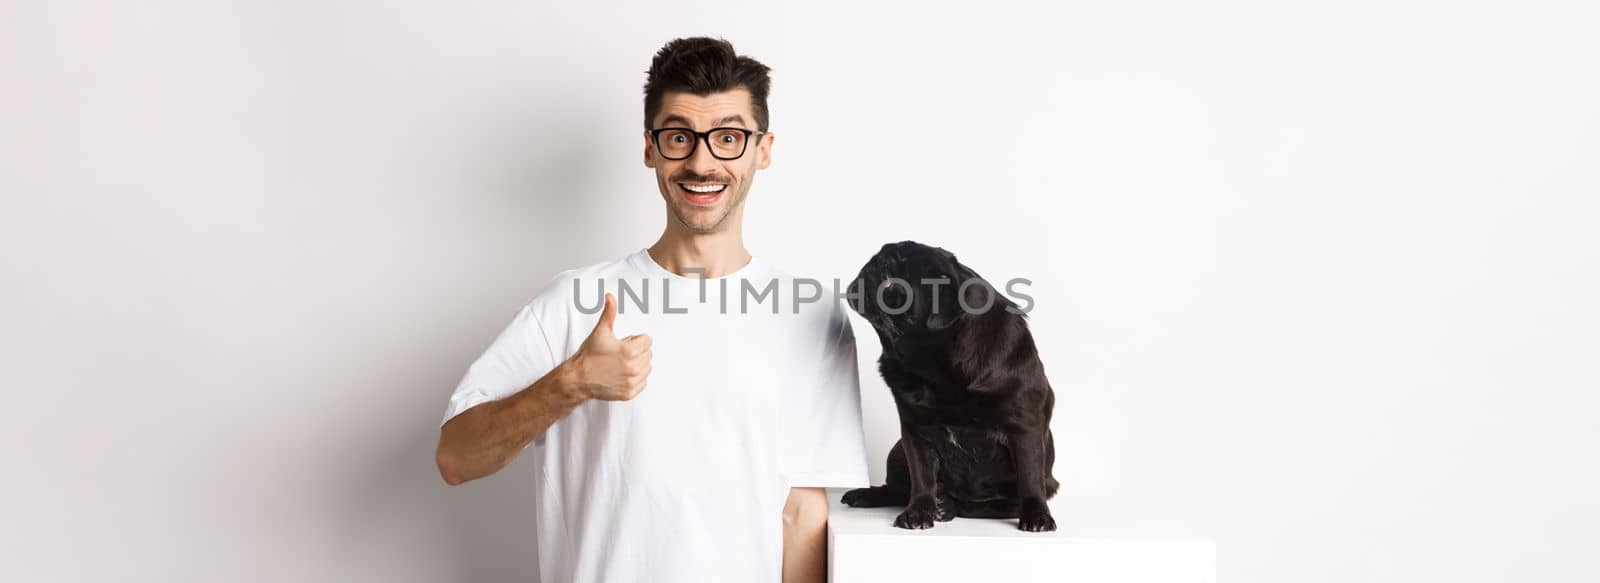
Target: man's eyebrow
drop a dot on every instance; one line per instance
(678, 119)
(675, 118)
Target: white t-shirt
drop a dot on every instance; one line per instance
(687, 481)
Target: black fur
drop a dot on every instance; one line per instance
(973, 399)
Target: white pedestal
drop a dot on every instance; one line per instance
(865, 547)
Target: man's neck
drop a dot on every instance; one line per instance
(717, 253)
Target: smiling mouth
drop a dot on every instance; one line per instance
(702, 193)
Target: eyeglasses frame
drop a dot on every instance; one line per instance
(705, 136)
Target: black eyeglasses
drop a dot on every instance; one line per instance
(725, 143)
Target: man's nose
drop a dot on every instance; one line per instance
(702, 162)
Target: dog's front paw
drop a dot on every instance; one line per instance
(1041, 522)
(915, 518)
(920, 514)
(1035, 517)
(856, 497)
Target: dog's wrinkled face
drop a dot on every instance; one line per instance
(899, 294)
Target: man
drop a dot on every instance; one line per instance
(698, 448)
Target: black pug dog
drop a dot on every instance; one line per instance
(973, 399)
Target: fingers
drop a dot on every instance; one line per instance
(637, 375)
(636, 351)
(636, 344)
(638, 372)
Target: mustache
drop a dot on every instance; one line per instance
(692, 177)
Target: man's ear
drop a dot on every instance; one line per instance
(764, 150)
(649, 157)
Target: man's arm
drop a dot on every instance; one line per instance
(483, 439)
(805, 536)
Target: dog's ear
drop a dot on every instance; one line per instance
(952, 297)
(975, 295)
(949, 311)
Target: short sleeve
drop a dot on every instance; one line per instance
(823, 444)
(519, 356)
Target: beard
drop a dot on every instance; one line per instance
(704, 220)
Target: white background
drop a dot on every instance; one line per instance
(1316, 280)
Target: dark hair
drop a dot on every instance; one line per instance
(702, 66)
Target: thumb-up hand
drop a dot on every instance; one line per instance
(610, 369)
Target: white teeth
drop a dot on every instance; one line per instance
(706, 188)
